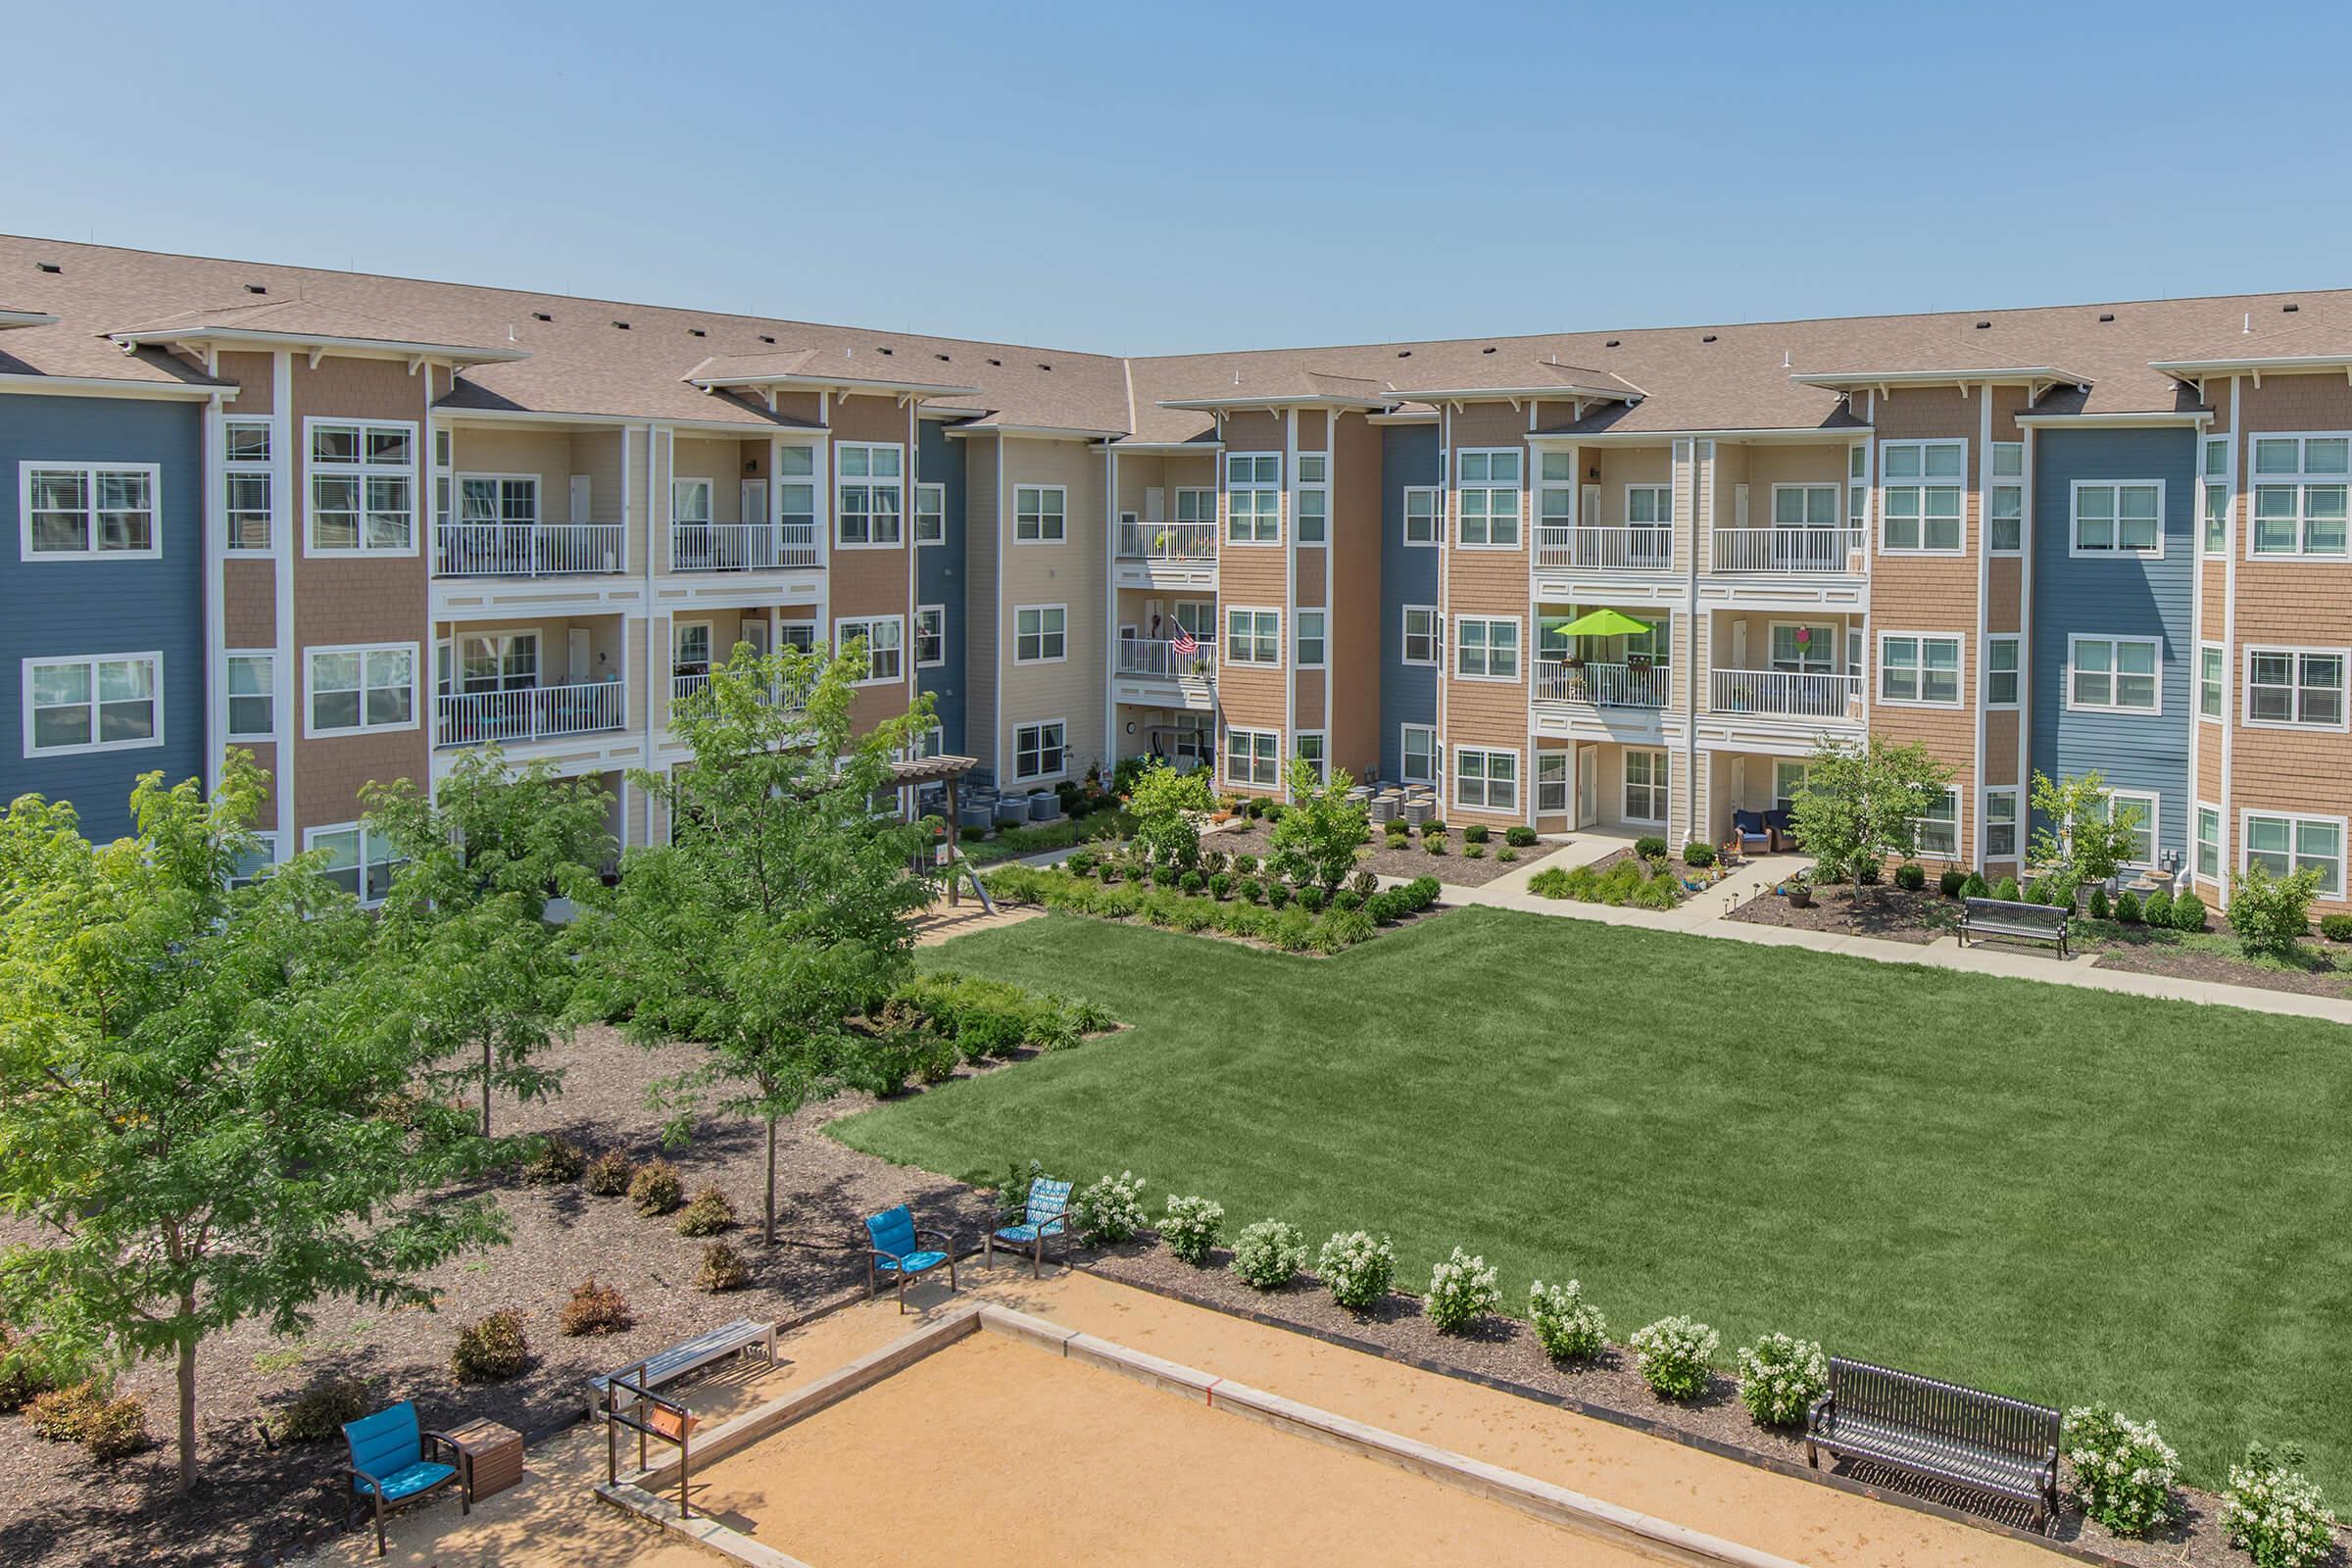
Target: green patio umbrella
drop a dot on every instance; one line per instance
(1603, 624)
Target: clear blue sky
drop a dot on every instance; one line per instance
(1148, 180)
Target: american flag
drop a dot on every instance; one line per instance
(1184, 643)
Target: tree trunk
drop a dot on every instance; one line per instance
(767, 1222)
(187, 1394)
(485, 1089)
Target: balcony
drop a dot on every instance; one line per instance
(1785, 551)
(1786, 694)
(529, 714)
(1167, 541)
(1588, 685)
(531, 549)
(1148, 659)
(1638, 547)
(741, 546)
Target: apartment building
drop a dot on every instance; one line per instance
(361, 524)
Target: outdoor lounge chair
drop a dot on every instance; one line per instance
(1046, 1212)
(388, 1468)
(897, 1251)
(1750, 834)
(1776, 823)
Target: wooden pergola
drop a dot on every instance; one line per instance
(915, 772)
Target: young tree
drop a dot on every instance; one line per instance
(1167, 806)
(1862, 802)
(2272, 914)
(1317, 838)
(782, 908)
(2079, 829)
(209, 1109)
(466, 914)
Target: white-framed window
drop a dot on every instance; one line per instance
(252, 864)
(358, 689)
(359, 860)
(1486, 648)
(2113, 674)
(2123, 517)
(248, 487)
(2000, 672)
(1420, 634)
(1042, 749)
(89, 511)
(930, 513)
(797, 636)
(251, 681)
(1937, 834)
(690, 502)
(1040, 513)
(1423, 511)
(796, 497)
(1788, 775)
(1252, 636)
(362, 486)
(2283, 843)
(2001, 824)
(868, 497)
(1923, 495)
(1556, 495)
(1196, 504)
(2143, 833)
(1804, 505)
(1315, 498)
(2209, 842)
(1254, 497)
(1648, 506)
(885, 645)
(2214, 492)
(2005, 500)
(1488, 484)
(1857, 486)
(2298, 687)
(930, 636)
(2301, 483)
(1645, 786)
(494, 661)
(1799, 647)
(1419, 753)
(1040, 634)
(1254, 758)
(690, 642)
(507, 498)
(1311, 639)
(104, 702)
(2212, 662)
(1919, 669)
(1551, 783)
(1486, 780)
(1308, 748)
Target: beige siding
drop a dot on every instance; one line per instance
(1070, 574)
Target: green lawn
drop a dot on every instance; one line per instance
(2051, 1192)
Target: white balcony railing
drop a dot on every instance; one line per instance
(1600, 685)
(1640, 547)
(1784, 694)
(529, 549)
(1139, 655)
(741, 546)
(1785, 550)
(1167, 541)
(683, 686)
(529, 714)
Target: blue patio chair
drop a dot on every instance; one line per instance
(1046, 1212)
(388, 1466)
(1783, 833)
(897, 1251)
(1750, 833)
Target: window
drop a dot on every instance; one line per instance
(1253, 757)
(359, 689)
(2295, 686)
(930, 513)
(1311, 639)
(1649, 504)
(1645, 786)
(1308, 747)
(1420, 634)
(1254, 636)
(252, 682)
(1197, 506)
(2000, 673)
(251, 863)
(795, 497)
(498, 498)
(359, 860)
(2209, 843)
(2118, 520)
(1939, 832)
(247, 485)
(798, 635)
(2209, 681)
(2143, 832)
(2116, 674)
(1315, 498)
(495, 661)
(1796, 649)
(1919, 669)
(1484, 780)
(930, 636)
(1921, 496)
(1551, 783)
(1252, 498)
(1555, 498)
(1421, 514)
(88, 705)
(1420, 755)
(885, 645)
(1804, 505)
(2284, 844)
(362, 487)
(2214, 492)
(1486, 650)
(79, 510)
(1040, 634)
(2300, 486)
(2005, 500)
(1038, 750)
(693, 644)
(867, 498)
(690, 502)
(2001, 824)
(1039, 514)
(1489, 486)
(1788, 782)
(1857, 486)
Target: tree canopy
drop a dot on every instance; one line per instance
(1863, 801)
(1317, 838)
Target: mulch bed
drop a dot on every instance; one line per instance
(1453, 867)
(2150, 951)
(1877, 912)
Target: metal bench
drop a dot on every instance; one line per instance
(729, 1338)
(1983, 1442)
(2025, 922)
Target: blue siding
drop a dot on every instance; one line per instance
(1408, 575)
(939, 576)
(2086, 595)
(67, 607)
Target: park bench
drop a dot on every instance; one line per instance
(1983, 1442)
(729, 1338)
(2025, 923)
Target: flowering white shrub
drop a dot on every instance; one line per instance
(1357, 1269)
(1462, 1291)
(1567, 1326)
(1268, 1253)
(1780, 1378)
(2272, 1513)
(1191, 1227)
(1673, 1355)
(1112, 1209)
(2123, 1472)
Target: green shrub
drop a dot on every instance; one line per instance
(2127, 908)
(2270, 914)
(116, 1430)
(657, 1188)
(1347, 899)
(1423, 891)
(1974, 887)
(2337, 927)
(1436, 846)
(2006, 890)
(986, 1018)
(1276, 810)
(556, 1160)
(1357, 1268)
(1699, 852)
(1434, 828)
(1191, 1227)
(1658, 893)
(609, 1173)
(1462, 1291)
(1253, 808)
(1363, 884)
(1245, 863)
(1950, 880)
(29, 1368)
(2123, 1469)
(595, 1309)
(1386, 908)
(2098, 901)
(2188, 913)
(1342, 928)
(1220, 886)
(64, 1414)
(1780, 1377)
(722, 1269)
(1112, 1208)
(707, 1215)
(1268, 1254)
(1650, 846)
(1292, 930)
(2159, 908)
(2040, 891)
(2274, 1513)
(1521, 837)
(1672, 1356)
(1191, 882)
(489, 1350)
(1474, 852)
(1310, 898)
(1080, 862)
(1551, 882)
(1253, 889)
(1278, 895)
(1475, 833)
(1567, 1326)
(1911, 876)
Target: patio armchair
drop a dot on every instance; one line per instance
(388, 1466)
(897, 1251)
(1783, 835)
(1750, 834)
(1044, 1212)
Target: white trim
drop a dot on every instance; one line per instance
(2221, 684)
(897, 677)
(1322, 616)
(2016, 822)
(2016, 670)
(1298, 738)
(2151, 803)
(2294, 819)
(1404, 638)
(1039, 725)
(2196, 844)
(2343, 691)
(1625, 518)
(1490, 489)
(941, 492)
(309, 842)
(1041, 491)
(1923, 483)
(1958, 855)
(1518, 627)
(1436, 755)
(1253, 486)
(90, 662)
(839, 483)
(1436, 520)
(1256, 733)
(229, 699)
(2119, 551)
(89, 471)
(2115, 674)
(1043, 658)
(1229, 645)
(417, 688)
(1959, 642)
(1663, 784)
(417, 471)
(1486, 783)
(920, 611)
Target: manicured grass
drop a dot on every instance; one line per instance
(2048, 1191)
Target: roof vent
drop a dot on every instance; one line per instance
(1611, 343)
(696, 332)
(996, 362)
(1488, 349)
(255, 288)
(1709, 338)
(941, 358)
(48, 266)
(2107, 316)
(1982, 325)
(623, 325)
(768, 337)
(1405, 354)
(541, 316)
(890, 351)
(2290, 309)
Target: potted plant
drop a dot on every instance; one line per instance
(1800, 892)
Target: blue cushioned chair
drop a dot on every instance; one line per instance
(1750, 833)
(897, 1249)
(388, 1468)
(1783, 831)
(1047, 1212)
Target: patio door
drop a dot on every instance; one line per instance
(1588, 785)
